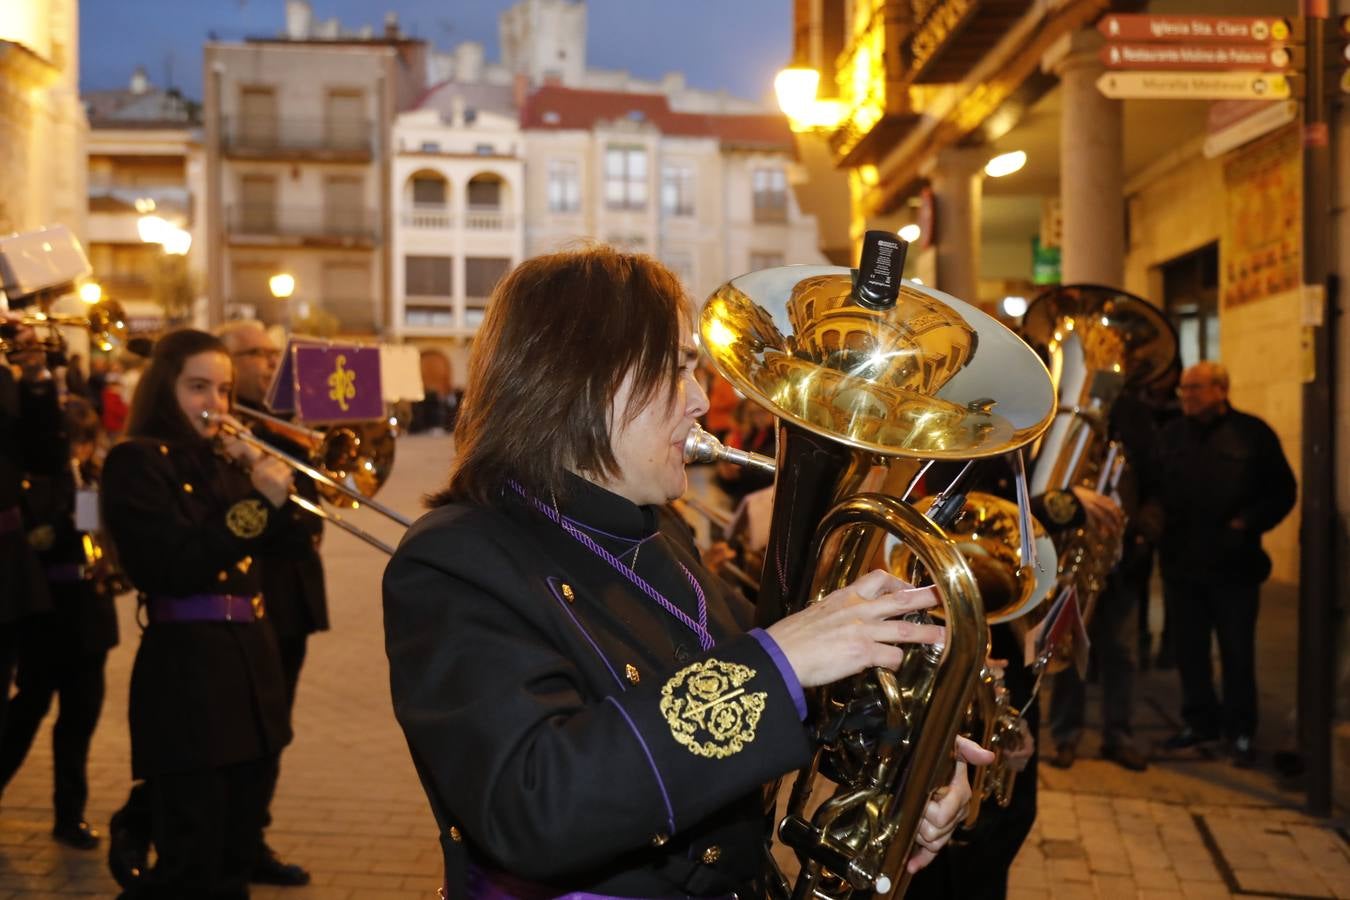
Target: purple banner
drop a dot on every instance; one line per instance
(281, 392)
(335, 383)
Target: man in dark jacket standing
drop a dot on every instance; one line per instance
(292, 582)
(1223, 481)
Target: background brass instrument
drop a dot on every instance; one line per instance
(364, 465)
(38, 268)
(105, 321)
(359, 455)
(1098, 343)
(854, 382)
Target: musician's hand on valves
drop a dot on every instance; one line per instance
(272, 478)
(1101, 511)
(854, 628)
(948, 806)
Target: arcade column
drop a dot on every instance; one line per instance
(1092, 165)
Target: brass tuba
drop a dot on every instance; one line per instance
(988, 534)
(855, 380)
(1099, 343)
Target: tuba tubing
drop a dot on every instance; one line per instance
(933, 703)
(929, 760)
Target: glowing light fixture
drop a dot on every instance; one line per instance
(910, 233)
(282, 285)
(91, 292)
(1005, 164)
(177, 241)
(1014, 306)
(152, 229)
(796, 88)
(159, 230)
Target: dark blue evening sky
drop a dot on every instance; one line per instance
(733, 44)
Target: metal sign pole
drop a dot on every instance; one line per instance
(1317, 579)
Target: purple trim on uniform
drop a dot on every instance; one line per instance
(785, 669)
(562, 601)
(67, 573)
(660, 783)
(10, 520)
(201, 608)
(489, 884)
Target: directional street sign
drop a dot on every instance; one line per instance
(1218, 29)
(1195, 57)
(1193, 86)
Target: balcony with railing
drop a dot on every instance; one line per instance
(260, 223)
(428, 216)
(488, 218)
(290, 137)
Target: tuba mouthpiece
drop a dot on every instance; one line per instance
(701, 447)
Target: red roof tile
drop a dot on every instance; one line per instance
(555, 108)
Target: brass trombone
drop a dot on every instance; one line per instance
(106, 321)
(345, 465)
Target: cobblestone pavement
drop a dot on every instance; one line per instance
(350, 809)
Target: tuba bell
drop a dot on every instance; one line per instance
(856, 380)
(1099, 343)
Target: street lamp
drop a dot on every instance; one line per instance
(176, 241)
(796, 88)
(282, 285)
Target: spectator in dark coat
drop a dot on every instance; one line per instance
(1222, 481)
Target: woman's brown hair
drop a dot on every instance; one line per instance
(155, 412)
(560, 334)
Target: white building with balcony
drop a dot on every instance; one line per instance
(708, 194)
(458, 188)
(297, 130)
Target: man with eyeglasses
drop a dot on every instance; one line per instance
(293, 585)
(1222, 480)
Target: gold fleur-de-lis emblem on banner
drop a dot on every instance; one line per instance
(342, 383)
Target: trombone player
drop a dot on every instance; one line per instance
(292, 585)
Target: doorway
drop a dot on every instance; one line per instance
(1191, 301)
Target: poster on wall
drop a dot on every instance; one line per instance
(1263, 226)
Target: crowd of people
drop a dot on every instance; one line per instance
(553, 558)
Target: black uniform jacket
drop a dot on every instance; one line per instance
(84, 620)
(1208, 474)
(203, 694)
(23, 587)
(292, 580)
(567, 729)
